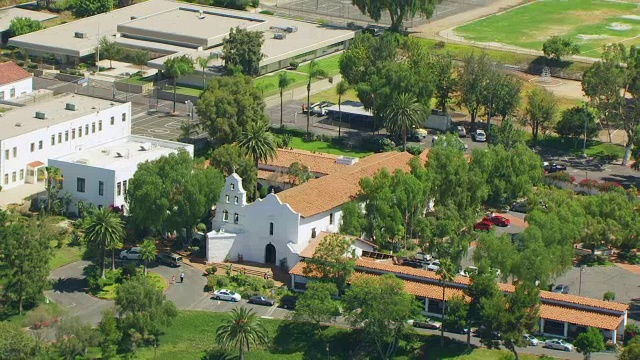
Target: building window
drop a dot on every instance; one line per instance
(331, 219)
(271, 228)
(80, 185)
(22, 174)
(80, 132)
(59, 137)
(66, 135)
(99, 125)
(40, 145)
(33, 147)
(73, 134)
(12, 93)
(236, 218)
(13, 176)
(6, 154)
(233, 186)
(124, 186)
(93, 127)
(119, 186)
(235, 200)
(225, 215)
(1, 95)
(113, 120)
(6, 179)
(313, 233)
(53, 139)
(15, 152)
(86, 129)
(226, 198)
(124, 117)
(101, 188)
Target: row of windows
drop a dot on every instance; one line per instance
(12, 94)
(13, 177)
(81, 186)
(66, 136)
(235, 199)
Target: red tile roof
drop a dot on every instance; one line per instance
(331, 191)
(580, 317)
(308, 251)
(10, 72)
(316, 162)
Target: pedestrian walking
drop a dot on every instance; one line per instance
(303, 106)
(173, 279)
(181, 277)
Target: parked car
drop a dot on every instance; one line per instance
(413, 263)
(423, 257)
(462, 132)
(131, 254)
(558, 344)
(169, 259)
(288, 302)
(310, 108)
(457, 331)
(561, 289)
(479, 136)
(497, 220)
(483, 226)
(261, 300)
(520, 206)
(428, 324)
(418, 135)
(550, 168)
(433, 265)
(530, 340)
(228, 295)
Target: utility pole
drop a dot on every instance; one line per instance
(580, 286)
(584, 142)
(98, 51)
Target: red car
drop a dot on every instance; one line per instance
(483, 225)
(497, 220)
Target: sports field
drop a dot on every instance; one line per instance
(590, 23)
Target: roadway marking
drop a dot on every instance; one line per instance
(267, 317)
(270, 312)
(158, 131)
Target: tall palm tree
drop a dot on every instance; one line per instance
(176, 67)
(241, 330)
(258, 143)
(315, 71)
(404, 113)
(148, 252)
(283, 82)
(53, 185)
(106, 229)
(203, 62)
(447, 273)
(341, 89)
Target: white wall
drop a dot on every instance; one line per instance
(219, 246)
(321, 222)
(64, 131)
(21, 87)
(92, 176)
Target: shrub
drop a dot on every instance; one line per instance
(593, 260)
(211, 270)
(414, 149)
(588, 183)
(376, 144)
(294, 64)
(212, 282)
(608, 186)
(266, 12)
(609, 296)
(269, 284)
(630, 331)
(221, 281)
(439, 45)
(561, 176)
(254, 3)
(201, 227)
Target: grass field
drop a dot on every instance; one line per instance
(324, 147)
(591, 24)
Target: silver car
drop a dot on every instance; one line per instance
(228, 295)
(131, 254)
(530, 340)
(558, 345)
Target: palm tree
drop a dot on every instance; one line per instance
(315, 71)
(54, 183)
(241, 330)
(259, 143)
(446, 271)
(283, 82)
(204, 64)
(404, 113)
(341, 89)
(105, 229)
(176, 67)
(148, 252)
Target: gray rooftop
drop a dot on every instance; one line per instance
(177, 28)
(8, 14)
(125, 152)
(351, 107)
(22, 120)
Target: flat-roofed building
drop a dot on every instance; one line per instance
(59, 126)
(100, 174)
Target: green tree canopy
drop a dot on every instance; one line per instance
(228, 106)
(399, 11)
(242, 49)
(557, 47)
(473, 82)
(572, 123)
(383, 322)
(353, 219)
(176, 67)
(404, 114)
(73, 337)
(110, 334)
(540, 113)
(506, 134)
(445, 80)
(589, 342)
(104, 231)
(333, 260)
(172, 193)
(86, 8)
(109, 50)
(23, 25)
(316, 304)
(228, 157)
(15, 343)
(241, 330)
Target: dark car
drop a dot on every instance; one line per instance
(429, 324)
(261, 300)
(169, 259)
(288, 302)
(520, 206)
(413, 263)
(456, 330)
(550, 168)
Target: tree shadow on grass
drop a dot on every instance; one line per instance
(297, 337)
(431, 348)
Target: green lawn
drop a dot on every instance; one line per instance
(324, 147)
(589, 23)
(184, 90)
(594, 148)
(268, 83)
(139, 80)
(330, 64)
(65, 255)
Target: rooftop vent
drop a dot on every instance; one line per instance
(18, 124)
(80, 35)
(291, 29)
(201, 15)
(145, 147)
(134, 17)
(106, 151)
(41, 115)
(346, 160)
(119, 155)
(82, 161)
(279, 36)
(70, 106)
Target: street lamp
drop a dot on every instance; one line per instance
(584, 142)
(582, 267)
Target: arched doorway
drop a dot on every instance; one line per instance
(270, 254)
